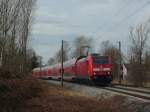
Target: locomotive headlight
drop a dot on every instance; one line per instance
(108, 72)
(94, 73)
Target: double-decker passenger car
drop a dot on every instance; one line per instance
(93, 67)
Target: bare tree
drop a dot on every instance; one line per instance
(57, 56)
(79, 42)
(139, 40)
(139, 37)
(15, 22)
(51, 61)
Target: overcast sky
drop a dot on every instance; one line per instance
(99, 19)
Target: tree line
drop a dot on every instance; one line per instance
(15, 26)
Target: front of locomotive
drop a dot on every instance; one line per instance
(100, 68)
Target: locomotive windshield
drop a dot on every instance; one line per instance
(100, 60)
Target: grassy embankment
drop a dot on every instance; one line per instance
(30, 95)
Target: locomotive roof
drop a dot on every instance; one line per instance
(69, 62)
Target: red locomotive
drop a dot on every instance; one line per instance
(93, 67)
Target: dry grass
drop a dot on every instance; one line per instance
(36, 96)
(58, 99)
(16, 92)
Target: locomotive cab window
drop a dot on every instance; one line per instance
(100, 60)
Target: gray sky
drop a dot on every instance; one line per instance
(99, 19)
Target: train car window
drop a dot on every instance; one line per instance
(101, 60)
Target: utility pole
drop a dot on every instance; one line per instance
(40, 65)
(120, 61)
(62, 60)
(140, 57)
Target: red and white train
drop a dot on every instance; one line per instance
(94, 67)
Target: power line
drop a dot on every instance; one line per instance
(122, 8)
(132, 14)
(116, 14)
(127, 17)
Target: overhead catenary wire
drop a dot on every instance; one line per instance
(127, 17)
(114, 15)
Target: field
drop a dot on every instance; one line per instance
(37, 96)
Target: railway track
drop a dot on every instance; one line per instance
(136, 92)
(141, 93)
